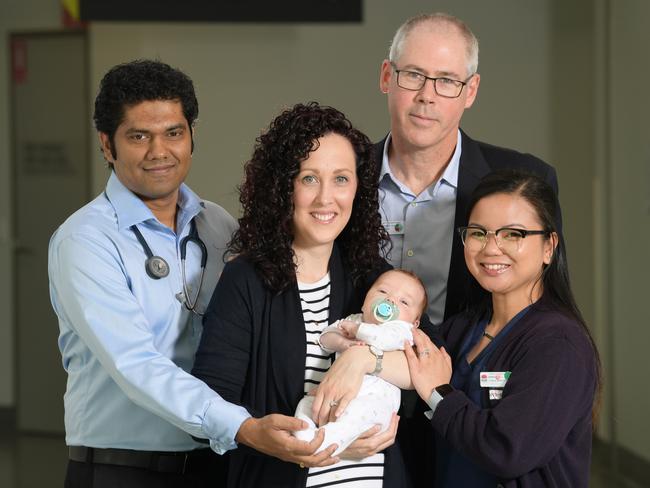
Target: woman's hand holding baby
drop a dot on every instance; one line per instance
(429, 366)
(371, 441)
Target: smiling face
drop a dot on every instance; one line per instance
(422, 119)
(514, 274)
(400, 288)
(153, 146)
(323, 193)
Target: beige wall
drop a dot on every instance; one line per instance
(572, 132)
(539, 59)
(246, 73)
(628, 181)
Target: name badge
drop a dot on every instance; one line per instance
(497, 379)
(495, 394)
(394, 227)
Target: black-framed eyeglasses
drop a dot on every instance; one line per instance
(443, 86)
(508, 239)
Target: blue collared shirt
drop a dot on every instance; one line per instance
(126, 340)
(421, 227)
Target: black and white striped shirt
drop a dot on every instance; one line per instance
(367, 473)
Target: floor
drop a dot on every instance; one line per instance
(33, 461)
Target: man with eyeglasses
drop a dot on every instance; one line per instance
(429, 167)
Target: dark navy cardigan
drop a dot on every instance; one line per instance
(539, 433)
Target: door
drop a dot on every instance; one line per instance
(51, 179)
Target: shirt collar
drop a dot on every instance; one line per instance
(449, 176)
(130, 209)
(385, 167)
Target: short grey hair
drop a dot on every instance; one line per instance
(437, 19)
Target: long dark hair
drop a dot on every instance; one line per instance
(556, 287)
(265, 231)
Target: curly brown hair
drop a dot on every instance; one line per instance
(265, 231)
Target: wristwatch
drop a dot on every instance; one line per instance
(379, 355)
(438, 393)
(444, 390)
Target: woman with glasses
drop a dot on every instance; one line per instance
(514, 404)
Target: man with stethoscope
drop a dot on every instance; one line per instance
(130, 275)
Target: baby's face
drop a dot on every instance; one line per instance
(403, 290)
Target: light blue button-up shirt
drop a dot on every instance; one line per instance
(126, 340)
(421, 227)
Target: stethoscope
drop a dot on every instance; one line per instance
(157, 267)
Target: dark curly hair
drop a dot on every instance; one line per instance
(138, 81)
(265, 233)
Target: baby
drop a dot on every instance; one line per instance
(392, 307)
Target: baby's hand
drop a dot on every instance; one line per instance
(349, 328)
(337, 341)
(348, 343)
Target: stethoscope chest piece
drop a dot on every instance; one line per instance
(156, 267)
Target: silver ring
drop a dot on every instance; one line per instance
(425, 352)
(334, 403)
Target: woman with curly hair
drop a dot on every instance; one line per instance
(308, 249)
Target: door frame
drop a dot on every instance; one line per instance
(16, 245)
